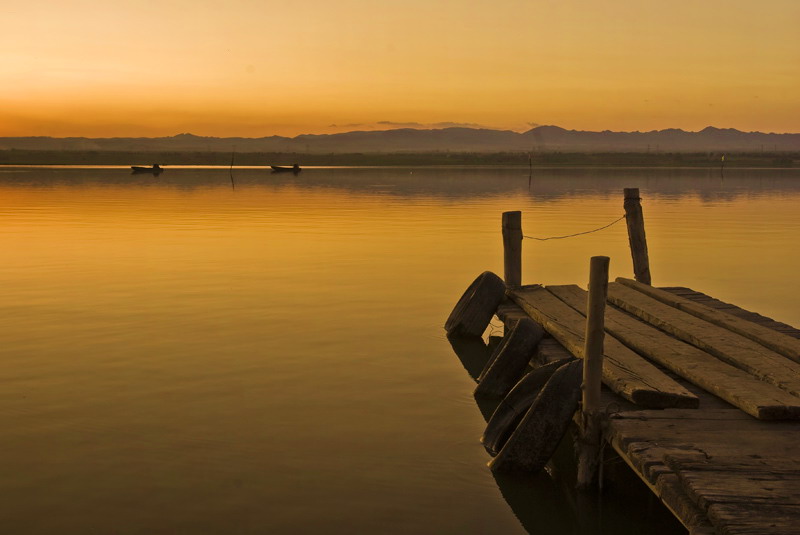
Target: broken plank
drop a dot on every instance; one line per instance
(625, 372)
(737, 387)
(770, 338)
(549, 350)
(509, 313)
(720, 342)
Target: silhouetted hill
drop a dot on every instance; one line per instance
(542, 138)
(669, 140)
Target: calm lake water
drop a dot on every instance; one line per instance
(178, 356)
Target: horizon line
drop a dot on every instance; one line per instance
(421, 128)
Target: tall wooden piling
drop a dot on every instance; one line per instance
(512, 248)
(636, 236)
(590, 432)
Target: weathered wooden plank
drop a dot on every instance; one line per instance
(768, 490)
(549, 350)
(713, 438)
(759, 519)
(735, 386)
(668, 488)
(741, 487)
(707, 399)
(625, 372)
(647, 458)
(733, 463)
(670, 491)
(681, 414)
(734, 310)
(780, 469)
(720, 342)
(509, 312)
(778, 342)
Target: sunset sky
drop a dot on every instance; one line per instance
(257, 68)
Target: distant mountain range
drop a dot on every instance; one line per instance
(539, 139)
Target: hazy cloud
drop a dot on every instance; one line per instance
(445, 124)
(389, 125)
(465, 125)
(395, 124)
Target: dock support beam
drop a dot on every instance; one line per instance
(636, 236)
(589, 445)
(512, 249)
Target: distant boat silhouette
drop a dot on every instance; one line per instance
(293, 169)
(155, 170)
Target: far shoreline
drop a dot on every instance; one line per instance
(749, 159)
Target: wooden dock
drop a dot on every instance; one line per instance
(715, 465)
(700, 398)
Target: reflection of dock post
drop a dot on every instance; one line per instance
(589, 445)
(512, 248)
(636, 236)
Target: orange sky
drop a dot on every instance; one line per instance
(255, 68)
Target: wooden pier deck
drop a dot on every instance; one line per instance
(701, 398)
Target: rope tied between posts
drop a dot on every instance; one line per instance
(577, 233)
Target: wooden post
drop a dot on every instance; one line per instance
(589, 445)
(636, 236)
(512, 248)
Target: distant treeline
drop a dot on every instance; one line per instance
(538, 159)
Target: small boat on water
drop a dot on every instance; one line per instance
(155, 169)
(279, 169)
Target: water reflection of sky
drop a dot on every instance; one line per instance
(543, 184)
(172, 343)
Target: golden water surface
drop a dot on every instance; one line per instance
(179, 355)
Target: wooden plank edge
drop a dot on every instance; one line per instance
(650, 398)
(682, 414)
(757, 398)
(780, 343)
(670, 493)
(643, 397)
(742, 352)
(733, 310)
(731, 513)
